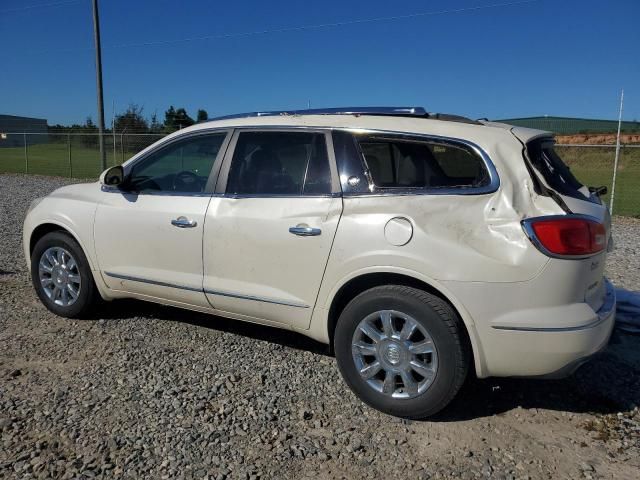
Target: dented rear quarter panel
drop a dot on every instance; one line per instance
(457, 240)
(466, 237)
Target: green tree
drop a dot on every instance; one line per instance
(89, 127)
(202, 116)
(132, 120)
(183, 119)
(154, 125)
(170, 119)
(175, 119)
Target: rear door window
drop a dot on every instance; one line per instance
(402, 163)
(555, 172)
(280, 163)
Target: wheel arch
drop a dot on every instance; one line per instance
(41, 230)
(49, 226)
(364, 281)
(44, 228)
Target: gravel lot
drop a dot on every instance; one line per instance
(144, 391)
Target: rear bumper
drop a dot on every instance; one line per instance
(550, 351)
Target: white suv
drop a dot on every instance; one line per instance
(418, 245)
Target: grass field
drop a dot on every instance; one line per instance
(53, 159)
(592, 166)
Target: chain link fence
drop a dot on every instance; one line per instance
(74, 155)
(77, 155)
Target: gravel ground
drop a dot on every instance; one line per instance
(144, 391)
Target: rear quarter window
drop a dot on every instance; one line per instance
(406, 163)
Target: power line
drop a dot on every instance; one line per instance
(318, 26)
(41, 5)
(325, 25)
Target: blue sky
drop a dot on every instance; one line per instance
(546, 57)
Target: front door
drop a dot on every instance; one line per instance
(148, 234)
(269, 230)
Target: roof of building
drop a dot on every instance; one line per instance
(19, 117)
(570, 125)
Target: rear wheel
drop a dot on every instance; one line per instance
(401, 350)
(61, 275)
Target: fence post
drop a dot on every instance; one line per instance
(26, 154)
(69, 148)
(122, 146)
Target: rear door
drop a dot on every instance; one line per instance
(556, 176)
(269, 230)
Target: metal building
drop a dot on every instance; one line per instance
(10, 125)
(572, 126)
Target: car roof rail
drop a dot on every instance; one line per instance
(417, 112)
(391, 111)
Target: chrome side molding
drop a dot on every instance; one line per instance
(256, 299)
(151, 282)
(207, 291)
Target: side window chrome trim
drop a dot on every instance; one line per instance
(219, 166)
(494, 179)
(271, 195)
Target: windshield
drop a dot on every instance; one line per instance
(555, 172)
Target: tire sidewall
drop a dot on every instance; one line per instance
(63, 240)
(447, 348)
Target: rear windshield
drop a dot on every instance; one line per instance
(555, 172)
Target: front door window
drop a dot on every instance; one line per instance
(180, 167)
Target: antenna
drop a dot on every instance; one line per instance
(615, 162)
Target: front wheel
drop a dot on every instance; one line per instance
(62, 276)
(401, 350)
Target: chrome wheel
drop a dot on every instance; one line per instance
(59, 276)
(394, 354)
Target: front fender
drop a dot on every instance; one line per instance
(71, 208)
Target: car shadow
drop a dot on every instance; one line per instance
(128, 308)
(609, 383)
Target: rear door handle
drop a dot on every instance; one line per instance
(183, 222)
(303, 231)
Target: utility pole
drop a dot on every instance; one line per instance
(96, 34)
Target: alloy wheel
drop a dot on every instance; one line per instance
(394, 354)
(59, 276)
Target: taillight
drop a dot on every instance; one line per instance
(566, 235)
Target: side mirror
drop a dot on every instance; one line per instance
(112, 176)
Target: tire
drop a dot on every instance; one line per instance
(61, 247)
(398, 388)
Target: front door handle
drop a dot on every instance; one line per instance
(305, 231)
(183, 222)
